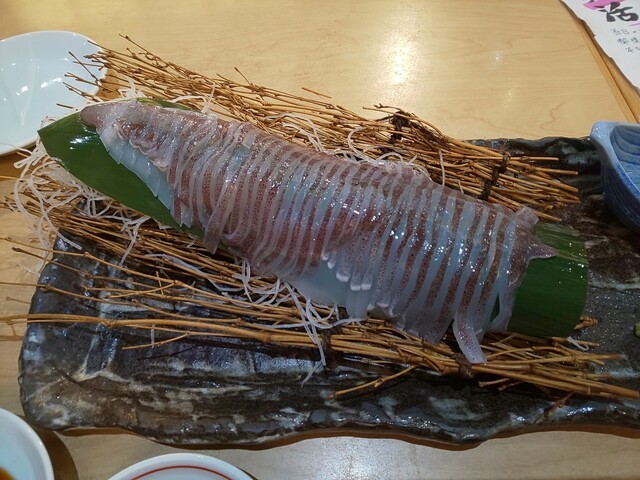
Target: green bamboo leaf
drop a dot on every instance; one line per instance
(553, 292)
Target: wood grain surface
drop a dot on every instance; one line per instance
(474, 69)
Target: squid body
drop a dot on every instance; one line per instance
(368, 236)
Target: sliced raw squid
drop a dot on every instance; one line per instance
(368, 236)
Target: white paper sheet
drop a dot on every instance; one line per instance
(616, 27)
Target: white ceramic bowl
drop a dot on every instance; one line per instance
(185, 466)
(22, 453)
(32, 82)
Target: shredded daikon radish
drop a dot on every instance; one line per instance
(577, 344)
(132, 226)
(33, 167)
(131, 91)
(442, 166)
(272, 294)
(206, 107)
(308, 325)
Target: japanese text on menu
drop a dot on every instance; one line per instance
(616, 28)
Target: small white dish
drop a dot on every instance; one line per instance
(22, 453)
(32, 82)
(185, 466)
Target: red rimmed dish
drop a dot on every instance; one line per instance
(185, 466)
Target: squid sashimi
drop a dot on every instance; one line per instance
(368, 236)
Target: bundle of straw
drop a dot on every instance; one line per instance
(161, 263)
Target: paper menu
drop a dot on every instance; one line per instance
(616, 28)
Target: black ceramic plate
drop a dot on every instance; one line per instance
(227, 392)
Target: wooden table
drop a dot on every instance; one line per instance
(475, 69)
